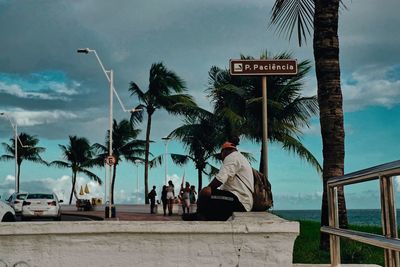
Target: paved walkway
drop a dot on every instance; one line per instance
(123, 213)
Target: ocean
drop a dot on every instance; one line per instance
(354, 216)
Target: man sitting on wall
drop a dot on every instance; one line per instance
(229, 191)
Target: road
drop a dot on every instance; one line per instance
(66, 218)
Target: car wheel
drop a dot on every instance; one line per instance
(8, 217)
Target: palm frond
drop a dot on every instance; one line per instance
(177, 103)
(9, 149)
(59, 164)
(135, 90)
(157, 161)
(249, 156)
(292, 144)
(180, 160)
(6, 157)
(289, 15)
(92, 176)
(137, 116)
(212, 171)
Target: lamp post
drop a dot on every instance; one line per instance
(137, 162)
(166, 139)
(110, 78)
(16, 140)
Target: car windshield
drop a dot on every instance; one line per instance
(40, 196)
(21, 196)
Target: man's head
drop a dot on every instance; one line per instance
(154, 187)
(226, 149)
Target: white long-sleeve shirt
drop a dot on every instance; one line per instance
(236, 164)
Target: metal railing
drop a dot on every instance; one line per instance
(389, 240)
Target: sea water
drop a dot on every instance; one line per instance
(354, 216)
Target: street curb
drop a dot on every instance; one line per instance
(93, 217)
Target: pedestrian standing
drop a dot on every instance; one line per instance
(164, 199)
(193, 194)
(170, 196)
(152, 196)
(185, 195)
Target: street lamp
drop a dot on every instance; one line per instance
(137, 162)
(16, 140)
(166, 139)
(110, 78)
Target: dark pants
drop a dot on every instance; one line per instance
(152, 205)
(220, 206)
(164, 204)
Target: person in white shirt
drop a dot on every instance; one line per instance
(229, 191)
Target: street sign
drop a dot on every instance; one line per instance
(110, 160)
(263, 67)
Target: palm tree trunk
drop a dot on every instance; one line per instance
(200, 177)
(146, 159)
(73, 187)
(261, 167)
(326, 55)
(113, 183)
(19, 175)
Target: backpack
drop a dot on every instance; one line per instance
(262, 194)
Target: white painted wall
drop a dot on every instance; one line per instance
(249, 239)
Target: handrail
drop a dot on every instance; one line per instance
(387, 169)
(367, 238)
(389, 240)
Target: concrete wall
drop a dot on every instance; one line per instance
(249, 239)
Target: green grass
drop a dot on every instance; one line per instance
(306, 247)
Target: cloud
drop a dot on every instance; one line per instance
(16, 90)
(50, 85)
(10, 178)
(314, 129)
(372, 86)
(60, 186)
(31, 118)
(397, 183)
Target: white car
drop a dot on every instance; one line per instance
(41, 205)
(7, 213)
(15, 201)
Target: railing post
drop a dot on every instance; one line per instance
(393, 218)
(389, 222)
(333, 222)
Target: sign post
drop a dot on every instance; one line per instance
(110, 160)
(263, 68)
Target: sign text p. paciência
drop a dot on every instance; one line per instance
(263, 67)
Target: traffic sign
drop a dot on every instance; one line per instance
(110, 160)
(263, 67)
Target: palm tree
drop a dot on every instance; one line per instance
(202, 134)
(323, 16)
(239, 101)
(165, 91)
(78, 156)
(201, 140)
(125, 146)
(29, 151)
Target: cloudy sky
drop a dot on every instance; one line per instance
(52, 92)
